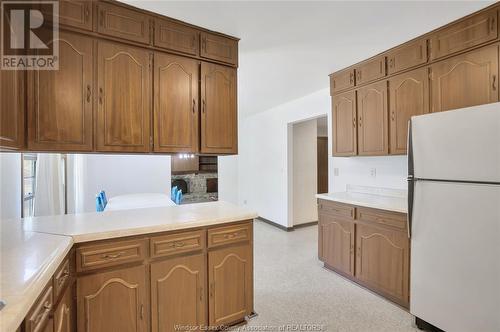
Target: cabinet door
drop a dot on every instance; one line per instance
(120, 22)
(60, 101)
(113, 301)
(124, 98)
(465, 80)
(382, 261)
(344, 124)
(470, 32)
(176, 104)
(230, 280)
(341, 80)
(178, 293)
(409, 96)
(373, 135)
(63, 313)
(74, 13)
(337, 243)
(370, 70)
(218, 110)
(12, 96)
(407, 56)
(219, 48)
(177, 37)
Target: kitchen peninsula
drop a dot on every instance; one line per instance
(132, 270)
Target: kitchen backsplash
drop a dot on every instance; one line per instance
(197, 187)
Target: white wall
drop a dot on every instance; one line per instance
(263, 171)
(304, 168)
(228, 178)
(117, 175)
(10, 185)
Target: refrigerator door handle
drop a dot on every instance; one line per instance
(411, 179)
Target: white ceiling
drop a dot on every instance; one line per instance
(288, 48)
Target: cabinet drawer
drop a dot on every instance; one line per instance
(219, 48)
(38, 317)
(123, 23)
(473, 31)
(370, 70)
(177, 243)
(230, 234)
(176, 37)
(336, 209)
(386, 218)
(407, 56)
(341, 80)
(61, 278)
(110, 254)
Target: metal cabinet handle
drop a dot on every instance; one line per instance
(142, 311)
(204, 44)
(46, 308)
(212, 286)
(63, 278)
(101, 92)
(89, 92)
(87, 12)
(391, 62)
(393, 115)
(359, 121)
(203, 106)
(494, 82)
(113, 256)
(492, 24)
(194, 106)
(354, 122)
(351, 78)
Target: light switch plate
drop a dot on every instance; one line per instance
(373, 172)
(335, 171)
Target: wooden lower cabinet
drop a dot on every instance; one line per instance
(230, 275)
(113, 301)
(64, 313)
(382, 261)
(337, 243)
(178, 293)
(372, 249)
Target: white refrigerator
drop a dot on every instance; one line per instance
(454, 219)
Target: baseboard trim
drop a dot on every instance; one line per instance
(272, 223)
(287, 229)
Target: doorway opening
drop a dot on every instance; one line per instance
(308, 169)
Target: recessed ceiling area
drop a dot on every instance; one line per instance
(288, 48)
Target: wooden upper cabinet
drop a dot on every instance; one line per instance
(219, 48)
(123, 98)
(113, 301)
(409, 96)
(382, 261)
(407, 56)
(60, 101)
(230, 284)
(373, 135)
(176, 37)
(178, 293)
(337, 243)
(75, 13)
(120, 22)
(218, 110)
(466, 80)
(344, 124)
(176, 104)
(470, 32)
(12, 109)
(341, 80)
(370, 70)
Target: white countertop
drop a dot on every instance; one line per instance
(138, 201)
(27, 262)
(113, 224)
(382, 202)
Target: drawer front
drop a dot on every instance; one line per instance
(110, 254)
(407, 56)
(336, 209)
(219, 48)
(341, 81)
(476, 30)
(177, 243)
(123, 23)
(370, 70)
(392, 219)
(176, 37)
(61, 278)
(37, 319)
(230, 234)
